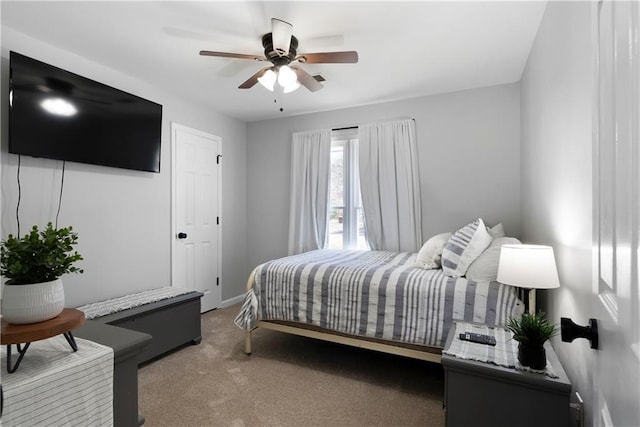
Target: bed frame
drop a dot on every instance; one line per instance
(414, 351)
(430, 354)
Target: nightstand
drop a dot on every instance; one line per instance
(484, 394)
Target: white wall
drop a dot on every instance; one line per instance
(556, 170)
(123, 217)
(469, 149)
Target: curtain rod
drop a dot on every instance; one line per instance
(356, 127)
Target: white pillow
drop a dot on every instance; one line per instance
(485, 267)
(463, 247)
(430, 253)
(496, 231)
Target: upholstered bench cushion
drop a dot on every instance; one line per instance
(115, 305)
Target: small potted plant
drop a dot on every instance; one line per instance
(32, 265)
(532, 331)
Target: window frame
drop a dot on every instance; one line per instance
(349, 140)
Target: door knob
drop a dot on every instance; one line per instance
(570, 331)
(182, 235)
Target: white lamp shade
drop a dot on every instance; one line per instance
(292, 87)
(268, 79)
(286, 76)
(528, 266)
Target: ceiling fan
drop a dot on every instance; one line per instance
(280, 48)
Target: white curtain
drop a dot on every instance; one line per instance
(390, 185)
(310, 173)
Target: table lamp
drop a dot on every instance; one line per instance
(530, 267)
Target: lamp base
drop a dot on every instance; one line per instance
(531, 301)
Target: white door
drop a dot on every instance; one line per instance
(616, 387)
(196, 213)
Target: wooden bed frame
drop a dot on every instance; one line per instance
(430, 354)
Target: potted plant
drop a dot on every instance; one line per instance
(33, 265)
(532, 331)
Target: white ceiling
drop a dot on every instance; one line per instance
(406, 49)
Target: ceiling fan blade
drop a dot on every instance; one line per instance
(281, 32)
(306, 79)
(251, 81)
(231, 55)
(348, 57)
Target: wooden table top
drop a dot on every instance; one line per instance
(69, 319)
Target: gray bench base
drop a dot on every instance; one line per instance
(127, 346)
(172, 322)
(138, 335)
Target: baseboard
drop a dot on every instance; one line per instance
(232, 301)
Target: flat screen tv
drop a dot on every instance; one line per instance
(60, 115)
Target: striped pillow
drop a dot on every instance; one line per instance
(464, 247)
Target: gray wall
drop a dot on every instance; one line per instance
(123, 217)
(556, 171)
(469, 149)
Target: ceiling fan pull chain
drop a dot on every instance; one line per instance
(279, 99)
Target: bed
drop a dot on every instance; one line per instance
(371, 299)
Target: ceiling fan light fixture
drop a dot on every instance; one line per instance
(291, 88)
(268, 79)
(280, 50)
(286, 76)
(281, 36)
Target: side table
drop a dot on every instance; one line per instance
(64, 323)
(479, 393)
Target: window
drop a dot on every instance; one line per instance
(346, 217)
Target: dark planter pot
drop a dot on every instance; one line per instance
(533, 357)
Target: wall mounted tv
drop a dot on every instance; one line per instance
(59, 115)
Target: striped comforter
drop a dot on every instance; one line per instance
(373, 294)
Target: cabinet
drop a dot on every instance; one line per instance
(483, 394)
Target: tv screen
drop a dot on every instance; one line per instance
(59, 115)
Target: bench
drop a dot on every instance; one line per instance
(170, 315)
(127, 346)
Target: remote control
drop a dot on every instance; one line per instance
(478, 338)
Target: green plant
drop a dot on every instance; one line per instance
(39, 256)
(532, 329)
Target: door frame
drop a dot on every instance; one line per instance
(175, 129)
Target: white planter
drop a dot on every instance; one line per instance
(32, 303)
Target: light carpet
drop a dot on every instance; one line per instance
(287, 381)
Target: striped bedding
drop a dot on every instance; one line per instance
(373, 294)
